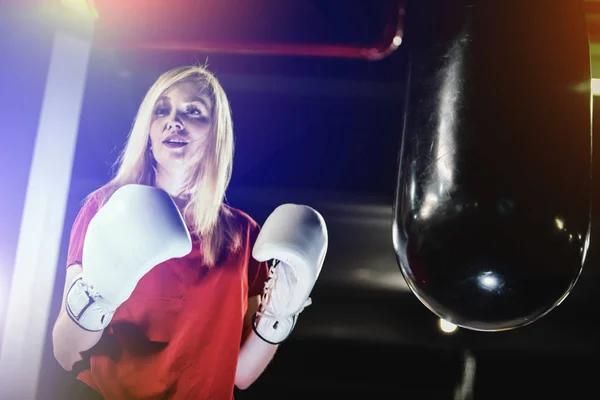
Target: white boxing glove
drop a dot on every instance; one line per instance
(295, 238)
(138, 228)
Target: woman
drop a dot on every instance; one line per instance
(179, 333)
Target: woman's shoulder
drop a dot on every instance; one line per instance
(242, 217)
(97, 197)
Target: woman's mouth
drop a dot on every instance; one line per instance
(174, 143)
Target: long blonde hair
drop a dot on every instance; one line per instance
(205, 212)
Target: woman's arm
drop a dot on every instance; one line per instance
(69, 340)
(255, 353)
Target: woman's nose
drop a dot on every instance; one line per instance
(174, 123)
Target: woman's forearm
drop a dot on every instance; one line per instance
(70, 340)
(255, 355)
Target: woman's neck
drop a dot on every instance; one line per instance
(173, 183)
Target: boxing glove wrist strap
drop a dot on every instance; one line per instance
(271, 323)
(86, 307)
(273, 330)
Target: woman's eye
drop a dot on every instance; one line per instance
(161, 111)
(193, 111)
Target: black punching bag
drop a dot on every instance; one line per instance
(492, 210)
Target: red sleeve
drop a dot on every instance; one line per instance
(258, 272)
(79, 228)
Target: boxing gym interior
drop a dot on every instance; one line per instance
(329, 102)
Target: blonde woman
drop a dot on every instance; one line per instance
(178, 334)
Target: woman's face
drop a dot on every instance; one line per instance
(180, 127)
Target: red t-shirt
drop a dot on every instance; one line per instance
(179, 334)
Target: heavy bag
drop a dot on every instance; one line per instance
(493, 202)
